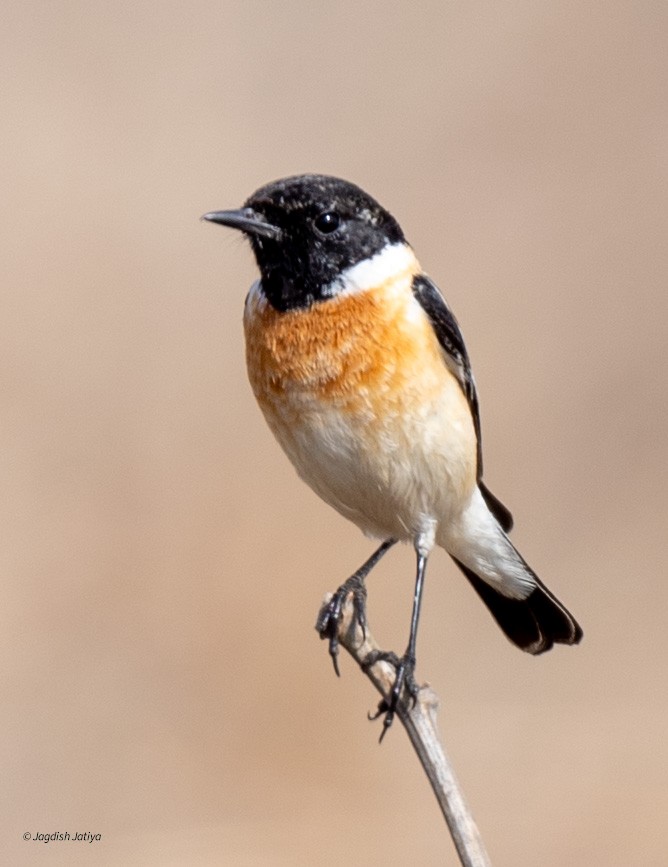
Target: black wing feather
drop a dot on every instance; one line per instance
(456, 357)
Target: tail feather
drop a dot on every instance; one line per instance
(534, 624)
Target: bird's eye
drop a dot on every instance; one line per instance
(327, 222)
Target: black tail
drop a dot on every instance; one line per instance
(534, 624)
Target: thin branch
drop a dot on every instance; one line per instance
(421, 727)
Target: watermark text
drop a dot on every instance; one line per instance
(63, 836)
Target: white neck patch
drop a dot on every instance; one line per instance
(391, 263)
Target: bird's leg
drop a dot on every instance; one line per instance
(329, 618)
(405, 666)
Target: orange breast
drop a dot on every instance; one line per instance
(357, 393)
(359, 352)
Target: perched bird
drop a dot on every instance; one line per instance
(361, 371)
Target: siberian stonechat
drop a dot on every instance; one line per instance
(361, 371)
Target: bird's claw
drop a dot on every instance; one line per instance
(404, 680)
(330, 616)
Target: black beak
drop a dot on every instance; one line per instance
(246, 220)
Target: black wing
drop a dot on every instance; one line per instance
(457, 359)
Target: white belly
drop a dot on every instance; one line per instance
(392, 476)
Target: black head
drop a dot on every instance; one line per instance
(305, 231)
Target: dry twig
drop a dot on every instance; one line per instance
(421, 727)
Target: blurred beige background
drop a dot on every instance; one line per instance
(161, 564)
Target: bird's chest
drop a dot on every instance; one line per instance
(364, 356)
(356, 392)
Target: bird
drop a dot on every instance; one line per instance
(361, 371)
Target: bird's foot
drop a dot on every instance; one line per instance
(404, 681)
(331, 614)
